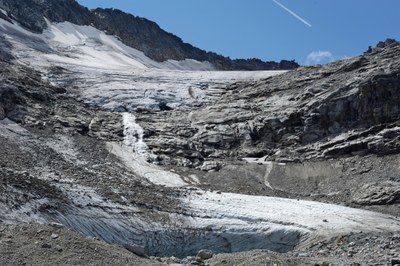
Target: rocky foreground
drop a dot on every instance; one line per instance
(199, 167)
(50, 245)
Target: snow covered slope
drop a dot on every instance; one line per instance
(115, 76)
(84, 46)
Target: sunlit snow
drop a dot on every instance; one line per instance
(113, 76)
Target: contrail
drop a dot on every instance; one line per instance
(292, 13)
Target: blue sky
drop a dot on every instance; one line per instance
(264, 29)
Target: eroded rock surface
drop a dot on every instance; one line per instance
(186, 164)
(341, 109)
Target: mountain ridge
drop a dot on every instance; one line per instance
(136, 32)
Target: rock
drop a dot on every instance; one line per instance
(5, 46)
(200, 260)
(171, 260)
(205, 254)
(289, 139)
(59, 248)
(387, 42)
(45, 245)
(209, 166)
(54, 236)
(395, 261)
(107, 126)
(346, 148)
(8, 241)
(309, 137)
(222, 135)
(136, 249)
(378, 193)
(2, 113)
(75, 122)
(56, 225)
(351, 253)
(354, 64)
(322, 252)
(17, 114)
(384, 147)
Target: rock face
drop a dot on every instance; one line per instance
(15, 99)
(136, 32)
(379, 194)
(26, 98)
(5, 50)
(344, 108)
(32, 13)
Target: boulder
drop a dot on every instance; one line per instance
(205, 254)
(136, 249)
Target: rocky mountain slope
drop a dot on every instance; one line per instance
(311, 128)
(328, 105)
(136, 32)
(281, 167)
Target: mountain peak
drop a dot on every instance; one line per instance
(136, 32)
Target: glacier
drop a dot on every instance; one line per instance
(109, 75)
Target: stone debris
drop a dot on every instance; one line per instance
(205, 254)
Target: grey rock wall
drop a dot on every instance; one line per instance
(344, 108)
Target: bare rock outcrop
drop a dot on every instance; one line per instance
(344, 108)
(378, 194)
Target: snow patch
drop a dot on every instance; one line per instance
(83, 46)
(104, 51)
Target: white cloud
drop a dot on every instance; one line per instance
(319, 57)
